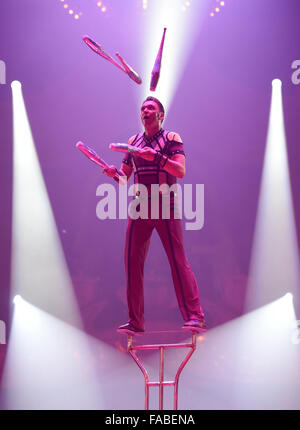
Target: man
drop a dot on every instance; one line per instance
(160, 160)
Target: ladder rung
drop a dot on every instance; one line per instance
(158, 346)
(157, 384)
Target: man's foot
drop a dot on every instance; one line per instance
(195, 325)
(129, 329)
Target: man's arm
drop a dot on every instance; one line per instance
(125, 169)
(176, 165)
(177, 159)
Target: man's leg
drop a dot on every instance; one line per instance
(138, 236)
(170, 232)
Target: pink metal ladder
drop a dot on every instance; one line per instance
(132, 349)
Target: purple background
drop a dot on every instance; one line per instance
(220, 109)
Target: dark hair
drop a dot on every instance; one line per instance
(154, 99)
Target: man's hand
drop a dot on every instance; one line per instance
(146, 153)
(109, 171)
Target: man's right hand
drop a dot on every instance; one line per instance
(109, 171)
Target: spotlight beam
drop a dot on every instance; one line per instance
(38, 269)
(274, 268)
(182, 28)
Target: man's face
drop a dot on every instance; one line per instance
(150, 113)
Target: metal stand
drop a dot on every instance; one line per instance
(131, 348)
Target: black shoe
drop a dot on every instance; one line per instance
(129, 329)
(195, 325)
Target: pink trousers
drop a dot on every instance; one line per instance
(138, 236)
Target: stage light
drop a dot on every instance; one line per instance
(216, 9)
(15, 85)
(47, 366)
(266, 353)
(289, 297)
(277, 83)
(51, 365)
(274, 267)
(257, 355)
(38, 268)
(17, 299)
(71, 10)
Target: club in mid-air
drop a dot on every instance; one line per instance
(100, 51)
(157, 65)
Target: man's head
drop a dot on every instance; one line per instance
(152, 110)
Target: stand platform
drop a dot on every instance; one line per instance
(132, 348)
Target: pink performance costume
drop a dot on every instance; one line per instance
(139, 232)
